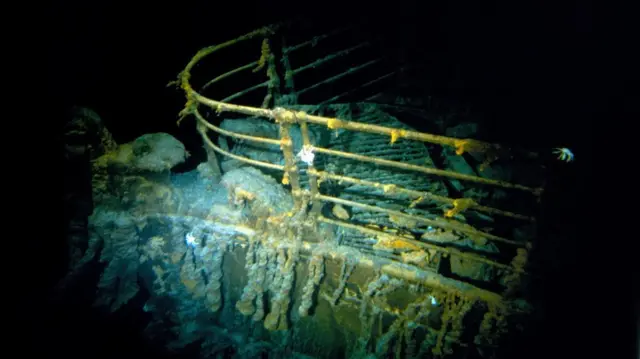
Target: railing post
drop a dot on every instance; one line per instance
(212, 160)
(284, 118)
(313, 178)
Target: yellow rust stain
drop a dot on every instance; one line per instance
(389, 242)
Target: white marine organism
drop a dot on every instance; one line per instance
(306, 154)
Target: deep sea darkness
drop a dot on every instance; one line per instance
(534, 69)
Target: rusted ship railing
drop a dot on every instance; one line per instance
(312, 195)
(285, 118)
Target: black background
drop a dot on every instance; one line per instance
(544, 73)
